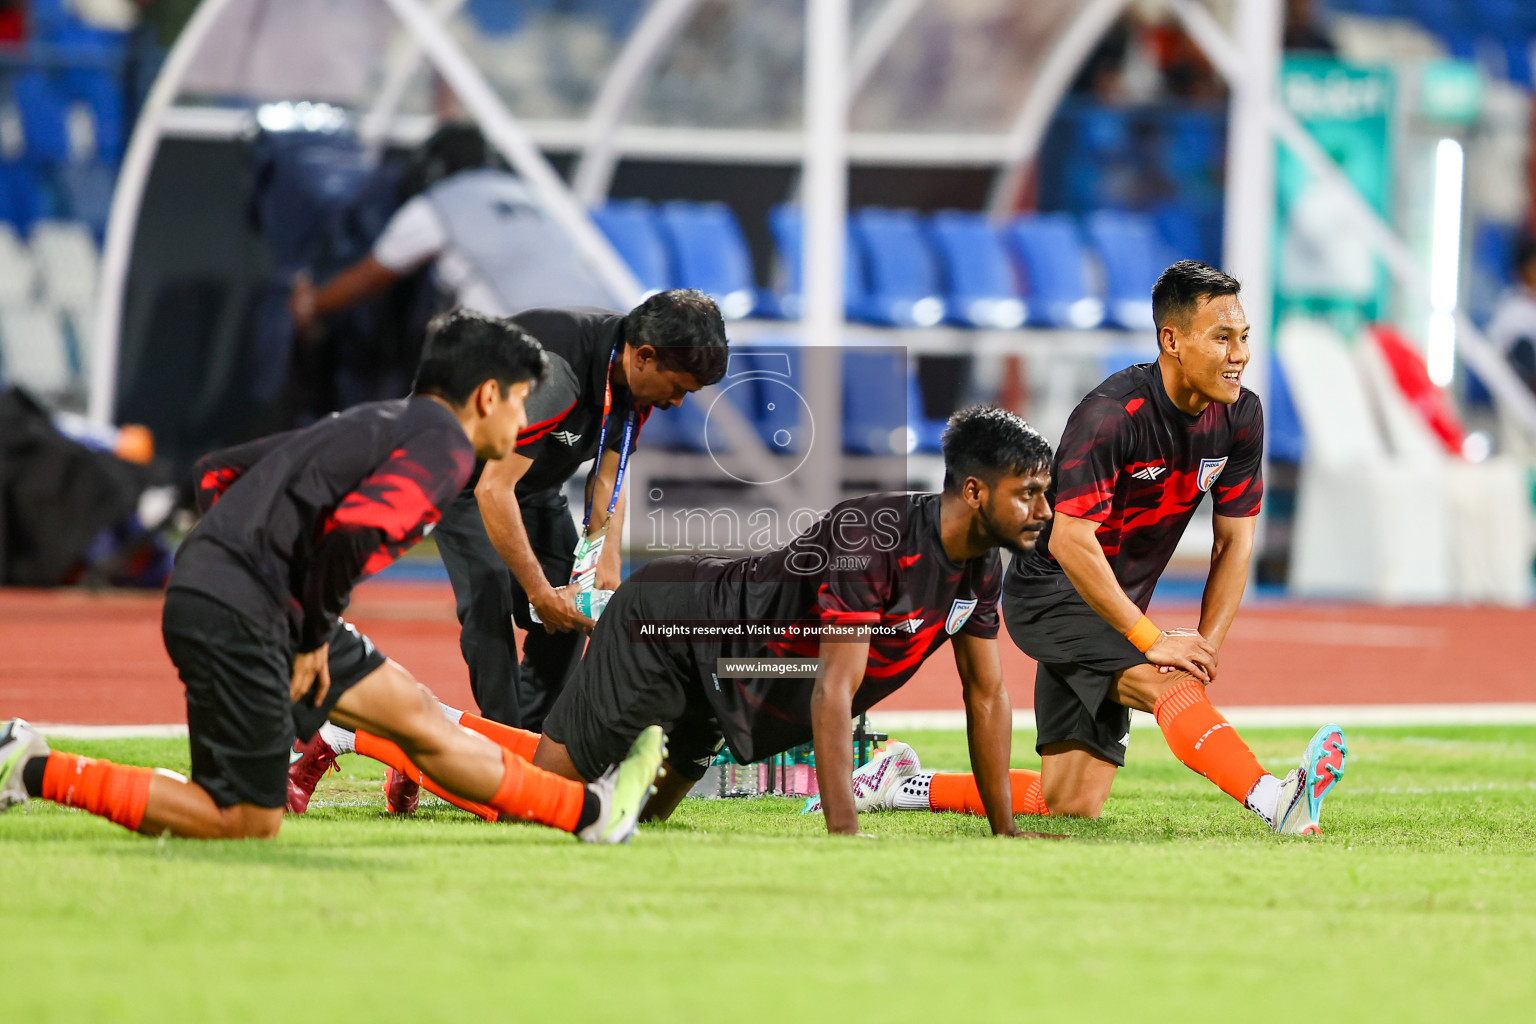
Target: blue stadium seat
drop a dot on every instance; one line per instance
(21, 197)
(1517, 60)
(1185, 234)
(1132, 256)
(87, 189)
(764, 383)
(1378, 8)
(43, 118)
(677, 429)
(876, 387)
(980, 289)
(630, 225)
(903, 275)
(500, 17)
(1051, 252)
(709, 253)
(1513, 20)
(102, 92)
(1284, 439)
(785, 298)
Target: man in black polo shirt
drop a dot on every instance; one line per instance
(508, 540)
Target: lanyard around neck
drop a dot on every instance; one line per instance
(625, 444)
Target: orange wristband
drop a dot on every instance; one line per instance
(1143, 634)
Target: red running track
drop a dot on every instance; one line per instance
(96, 659)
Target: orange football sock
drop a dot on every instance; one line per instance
(957, 791)
(116, 792)
(537, 795)
(1199, 736)
(379, 749)
(520, 741)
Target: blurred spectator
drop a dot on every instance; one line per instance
(1102, 73)
(1186, 72)
(1513, 327)
(490, 245)
(1305, 29)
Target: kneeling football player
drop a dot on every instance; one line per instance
(1138, 455)
(252, 616)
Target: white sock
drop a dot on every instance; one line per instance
(912, 794)
(452, 714)
(1264, 798)
(343, 741)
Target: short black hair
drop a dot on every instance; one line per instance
(989, 443)
(464, 349)
(685, 328)
(1180, 288)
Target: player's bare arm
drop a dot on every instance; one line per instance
(988, 727)
(358, 283)
(1076, 547)
(843, 666)
(496, 495)
(1224, 587)
(611, 562)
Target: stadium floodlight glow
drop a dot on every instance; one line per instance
(1444, 262)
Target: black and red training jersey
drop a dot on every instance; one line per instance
(565, 412)
(876, 560)
(293, 521)
(1138, 465)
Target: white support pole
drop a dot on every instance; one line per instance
(825, 211)
(1051, 83)
(502, 131)
(1249, 217)
(661, 24)
(1473, 347)
(127, 200)
(373, 129)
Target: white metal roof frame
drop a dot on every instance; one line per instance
(834, 73)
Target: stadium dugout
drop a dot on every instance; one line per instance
(241, 64)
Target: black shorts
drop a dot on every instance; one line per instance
(623, 685)
(1077, 654)
(236, 671)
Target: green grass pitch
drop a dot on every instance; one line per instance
(1418, 904)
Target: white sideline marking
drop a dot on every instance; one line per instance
(112, 732)
(1259, 717)
(891, 721)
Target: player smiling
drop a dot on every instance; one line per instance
(1138, 455)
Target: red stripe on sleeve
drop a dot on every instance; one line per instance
(545, 426)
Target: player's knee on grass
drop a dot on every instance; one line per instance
(1139, 687)
(670, 791)
(1074, 780)
(247, 821)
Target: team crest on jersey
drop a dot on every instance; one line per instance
(959, 612)
(1151, 471)
(566, 437)
(1210, 469)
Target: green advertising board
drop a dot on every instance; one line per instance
(1321, 266)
